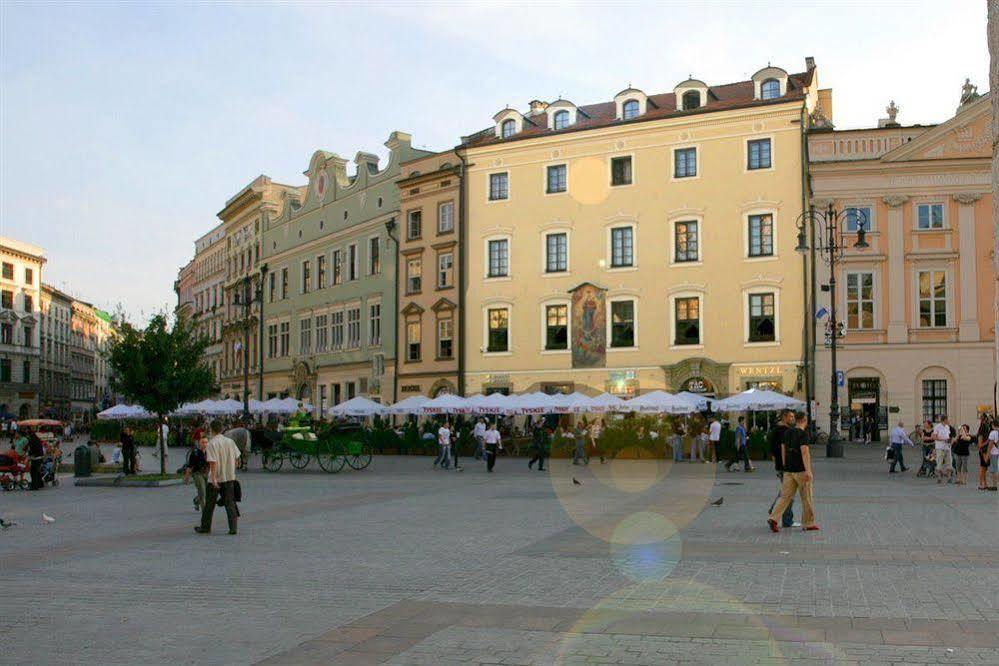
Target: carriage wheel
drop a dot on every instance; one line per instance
(359, 456)
(330, 457)
(271, 461)
(299, 460)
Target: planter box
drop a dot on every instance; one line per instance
(126, 482)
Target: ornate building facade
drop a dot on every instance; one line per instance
(56, 319)
(20, 354)
(917, 304)
(641, 243)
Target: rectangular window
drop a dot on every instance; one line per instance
(857, 215)
(762, 324)
(761, 235)
(621, 171)
(622, 247)
(352, 261)
(284, 342)
(933, 299)
(445, 270)
(414, 227)
(556, 181)
(622, 324)
(556, 253)
(337, 394)
(336, 330)
(445, 217)
(26, 371)
(684, 162)
(688, 321)
(351, 390)
(4, 369)
(499, 330)
(284, 283)
(7, 299)
(686, 245)
(859, 300)
(414, 276)
(556, 327)
(306, 276)
(29, 303)
(305, 335)
(29, 276)
(353, 328)
(445, 338)
(272, 288)
(6, 334)
(934, 398)
(929, 216)
(321, 271)
(337, 276)
(499, 186)
(375, 324)
(8, 271)
(28, 336)
(759, 154)
(499, 257)
(413, 341)
(322, 333)
(374, 257)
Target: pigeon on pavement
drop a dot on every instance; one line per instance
(718, 502)
(47, 518)
(576, 482)
(6, 523)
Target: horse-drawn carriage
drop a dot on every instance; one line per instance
(333, 447)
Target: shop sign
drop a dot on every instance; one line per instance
(410, 388)
(760, 371)
(697, 385)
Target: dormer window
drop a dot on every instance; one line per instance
(770, 89)
(509, 128)
(630, 109)
(691, 100)
(561, 120)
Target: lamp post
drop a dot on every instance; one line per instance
(250, 295)
(830, 234)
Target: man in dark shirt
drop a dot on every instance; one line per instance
(775, 442)
(797, 460)
(36, 452)
(197, 469)
(127, 450)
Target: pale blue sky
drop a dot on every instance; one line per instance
(125, 127)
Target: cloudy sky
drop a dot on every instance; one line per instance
(125, 127)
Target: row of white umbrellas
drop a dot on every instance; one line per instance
(225, 407)
(654, 402)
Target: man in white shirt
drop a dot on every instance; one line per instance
(222, 455)
(444, 441)
(493, 444)
(942, 451)
(479, 433)
(714, 439)
(898, 438)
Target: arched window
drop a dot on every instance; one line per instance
(691, 100)
(770, 89)
(509, 128)
(630, 109)
(561, 120)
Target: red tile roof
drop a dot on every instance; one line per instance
(663, 105)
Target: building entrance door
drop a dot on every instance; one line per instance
(865, 401)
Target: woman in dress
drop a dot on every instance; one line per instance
(962, 449)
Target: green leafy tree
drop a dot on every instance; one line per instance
(160, 368)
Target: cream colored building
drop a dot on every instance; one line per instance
(56, 315)
(641, 243)
(20, 355)
(917, 304)
(204, 287)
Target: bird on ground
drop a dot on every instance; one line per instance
(47, 518)
(718, 502)
(576, 482)
(6, 523)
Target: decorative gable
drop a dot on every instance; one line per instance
(966, 135)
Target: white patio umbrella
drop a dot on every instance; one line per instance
(446, 403)
(572, 403)
(700, 402)
(285, 406)
(533, 403)
(660, 402)
(494, 403)
(226, 407)
(410, 405)
(757, 400)
(606, 402)
(124, 412)
(359, 406)
(194, 407)
(256, 406)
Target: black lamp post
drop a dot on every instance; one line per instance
(830, 242)
(249, 296)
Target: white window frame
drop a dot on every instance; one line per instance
(672, 162)
(671, 343)
(489, 178)
(871, 227)
(340, 312)
(610, 323)
(773, 153)
(544, 325)
(355, 265)
(772, 212)
(610, 247)
(509, 255)
(409, 223)
(410, 260)
(509, 328)
(440, 269)
(437, 339)
(418, 321)
(700, 240)
(948, 296)
(378, 242)
(875, 294)
(544, 252)
(761, 289)
(372, 341)
(357, 342)
(440, 207)
(945, 222)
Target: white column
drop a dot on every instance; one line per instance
(968, 330)
(898, 329)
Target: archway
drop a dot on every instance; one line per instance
(24, 412)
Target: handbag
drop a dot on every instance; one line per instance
(890, 454)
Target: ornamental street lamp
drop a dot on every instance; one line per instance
(830, 233)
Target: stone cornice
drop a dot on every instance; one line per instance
(967, 198)
(895, 200)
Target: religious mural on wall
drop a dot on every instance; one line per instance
(589, 326)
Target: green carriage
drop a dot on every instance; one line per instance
(333, 447)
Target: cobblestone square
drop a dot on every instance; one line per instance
(401, 564)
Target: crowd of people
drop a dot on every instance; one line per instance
(949, 453)
(27, 452)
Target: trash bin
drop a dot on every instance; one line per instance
(81, 461)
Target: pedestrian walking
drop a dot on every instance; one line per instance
(36, 454)
(741, 448)
(982, 447)
(539, 446)
(962, 449)
(493, 443)
(928, 468)
(798, 477)
(444, 446)
(714, 439)
(993, 479)
(127, 441)
(196, 470)
(479, 433)
(775, 443)
(898, 439)
(942, 452)
(222, 455)
(579, 438)
(596, 431)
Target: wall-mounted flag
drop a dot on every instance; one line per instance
(821, 312)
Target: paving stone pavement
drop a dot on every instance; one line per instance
(400, 564)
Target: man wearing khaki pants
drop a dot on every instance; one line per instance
(797, 476)
(942, 451)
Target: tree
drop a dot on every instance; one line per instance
(160, 368)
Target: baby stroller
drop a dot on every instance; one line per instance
(50, 470)
(929, 466)
(12, 472)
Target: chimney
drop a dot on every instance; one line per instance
(537, 106)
